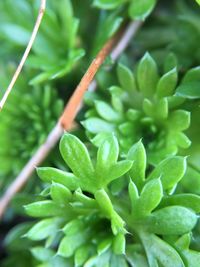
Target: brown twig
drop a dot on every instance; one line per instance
(66, 120)
(25, 55)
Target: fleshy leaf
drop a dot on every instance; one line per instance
(147, 74)
(167, 83)
(49, 174)
(126, 78)
(141, 9)
(43, 209)
(172, 220)
(138, 155)
(150, 197)
(170, 170)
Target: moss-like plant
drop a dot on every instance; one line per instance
(25, 123)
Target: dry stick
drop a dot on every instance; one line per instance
(65, 120)
(26, 53)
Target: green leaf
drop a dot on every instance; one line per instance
(141, 9)
(81, 255)
(190, 201)
(150, 197)
(172, 220)
(69, 244)
(180, 119)
(104, 202)
(116, 93)
(182, 140)
(42, 254)
(126, 78)
(167, 83)
(96, 125)
(137, 154)
(49, 175)
(106, 206)
(162, 109)
(158, 249)
(147, 75)
(43, 209)
(191, 257)
(148, 107)
(77, 158)
(170, 62)
(191, 181)
(135, 256)
(107, 154)
(108, 4)
(192, 75)
(119, 169)
(119, 244)
(43, 229)
(133, 194)
(107, 112)
(170, 171)
(73, 227)
(198, 1)
(189, 90)
(104, 246)
(60, 194)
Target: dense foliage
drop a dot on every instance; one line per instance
(126, 189)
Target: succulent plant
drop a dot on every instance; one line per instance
(87, 223)
(145, 105)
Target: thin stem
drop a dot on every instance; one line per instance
(73, 105)
(26, 53)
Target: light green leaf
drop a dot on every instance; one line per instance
(126, 78)
(107, 154)
(107, 112)
(77, 158)
(119, 169)
(108, 4)
(180, 119)
(81, 255)
(141, 9)
(138, 155)
(150, 197)
(96, 125)
(133, 194)
(60, 194)
(167, 83)
(158, 249)
(147, 75)
(73, 227)
(42, 254)
(43, 229)
(190, 90)
(69, 244)
(172, 220)
(119, 244)
(104, 246)
(190, 201)
(170, 170)
(49, 174)
(43, 209)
